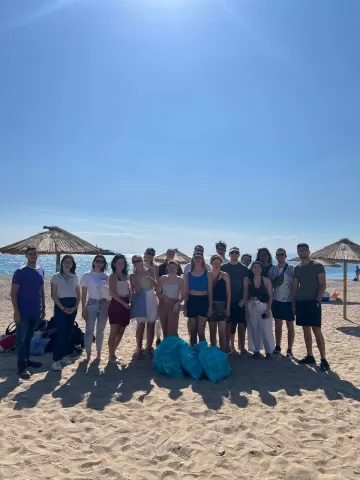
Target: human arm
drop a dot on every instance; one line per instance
(269, 289)
(244, 300)
(182, 294)
(322, 286)
(228, 293)
(159, 288)
(295, 287)
(151, 278)
(113, 292)
(14, 293)
(83, 302)
(210, 293)
(134, 284)
(186, 284)
(43, 306)
(55, 297)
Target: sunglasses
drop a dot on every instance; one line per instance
(235, 252)
(280, 254)
(303, 249)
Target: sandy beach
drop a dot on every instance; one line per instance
(269, 420)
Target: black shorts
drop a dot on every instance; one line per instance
(237, 315)
(308, 314)
(282, 311)
(218, 312)
(197, 306)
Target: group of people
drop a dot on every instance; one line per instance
(232, 295)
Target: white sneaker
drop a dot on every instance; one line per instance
(56, 366)
(66, 361)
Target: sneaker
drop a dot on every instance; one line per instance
(256, 355)
(57, 366)
(308, 360)
(25, 374)
(289, 354)
(245, 353)
(324, 365)
(269, 356)
(158, 341)
(66, 361)
(32, 364)
(277, 350)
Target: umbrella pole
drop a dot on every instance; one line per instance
(58, 262)
(345, 289)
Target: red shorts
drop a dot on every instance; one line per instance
(118, 314)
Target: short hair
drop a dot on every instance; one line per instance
(198, 247)
(220, 243)
(28, 249)
(172, 250)
(282, 249)
(246, 255)
(216, 257)
(303, 245)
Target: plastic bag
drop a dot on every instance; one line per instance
(215, 362)
(190, 362)
(166, 359)
(38, 345)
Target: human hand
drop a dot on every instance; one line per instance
(42, 314)
(85, 314)
(241, 303)
(17, 317)
(209, 313)
(228, 312)
(128, 306)
(294, 308)
(166, 300)
(268, 310)
(176, 307)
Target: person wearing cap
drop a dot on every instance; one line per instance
(163, 269)
(221, 250)
(198, 298)
(149, 263)
(200, 250)
(239, 280)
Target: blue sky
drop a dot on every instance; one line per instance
(178, 122)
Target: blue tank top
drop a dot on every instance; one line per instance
(199, 284)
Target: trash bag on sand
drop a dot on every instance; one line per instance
(215, 362)
(166, 359)
(190, 362)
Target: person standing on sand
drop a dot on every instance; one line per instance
(65, 291)
(198, 249)
(239, 280)
(28, 300)
(282, 278)
(171, 292)
(95, 310)
(246, 259)
(308, 289)
(198, 298)
(265, 258)
(143, 304)
(221, 247)
(221, 303)
(170, 255)
(149, 263)
(119, 308)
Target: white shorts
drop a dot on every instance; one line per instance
(151, 308)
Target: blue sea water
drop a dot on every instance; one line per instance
(9, 263)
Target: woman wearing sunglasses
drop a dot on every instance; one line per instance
(198, 298)
(95, 309)
(65, 291)
(143, 304)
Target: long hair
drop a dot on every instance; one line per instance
(264, 249)
(120, 256)
(104, 265)
(203, 264)
(72, 269)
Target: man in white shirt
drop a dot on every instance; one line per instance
(282, 277)
(197, 249)
(221, 250)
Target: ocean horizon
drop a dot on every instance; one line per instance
(9, 263)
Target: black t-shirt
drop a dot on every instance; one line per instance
(237, 272)
(163, 269)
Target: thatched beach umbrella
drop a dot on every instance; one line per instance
(326, 263)
(343, 251)
(54, 241)
(179, 257)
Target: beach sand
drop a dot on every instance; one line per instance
(268, 420)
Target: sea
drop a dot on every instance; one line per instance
(9, 263)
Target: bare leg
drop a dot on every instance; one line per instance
(228, 334)
(164, 317)
(114, 331)
(319, 341)
(140, 328)
(291, 334)
(224, 344)
(278, 332)
(119, 338)
(213, 332)
(308, 340)
(241, 335)
(202, 321)
(192, 326)
(150, 330)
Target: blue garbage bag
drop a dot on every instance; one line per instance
(166, 359)
(215, 362)
(190, 362)
(38, 345)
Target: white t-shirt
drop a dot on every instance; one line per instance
(95, 282)
(65, 284)
(283, 293)
(187, 268)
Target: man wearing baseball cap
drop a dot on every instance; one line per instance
(198, 249)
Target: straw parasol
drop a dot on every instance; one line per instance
(343, 251)
(326, 263)
(179, 257)
(54, 241)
